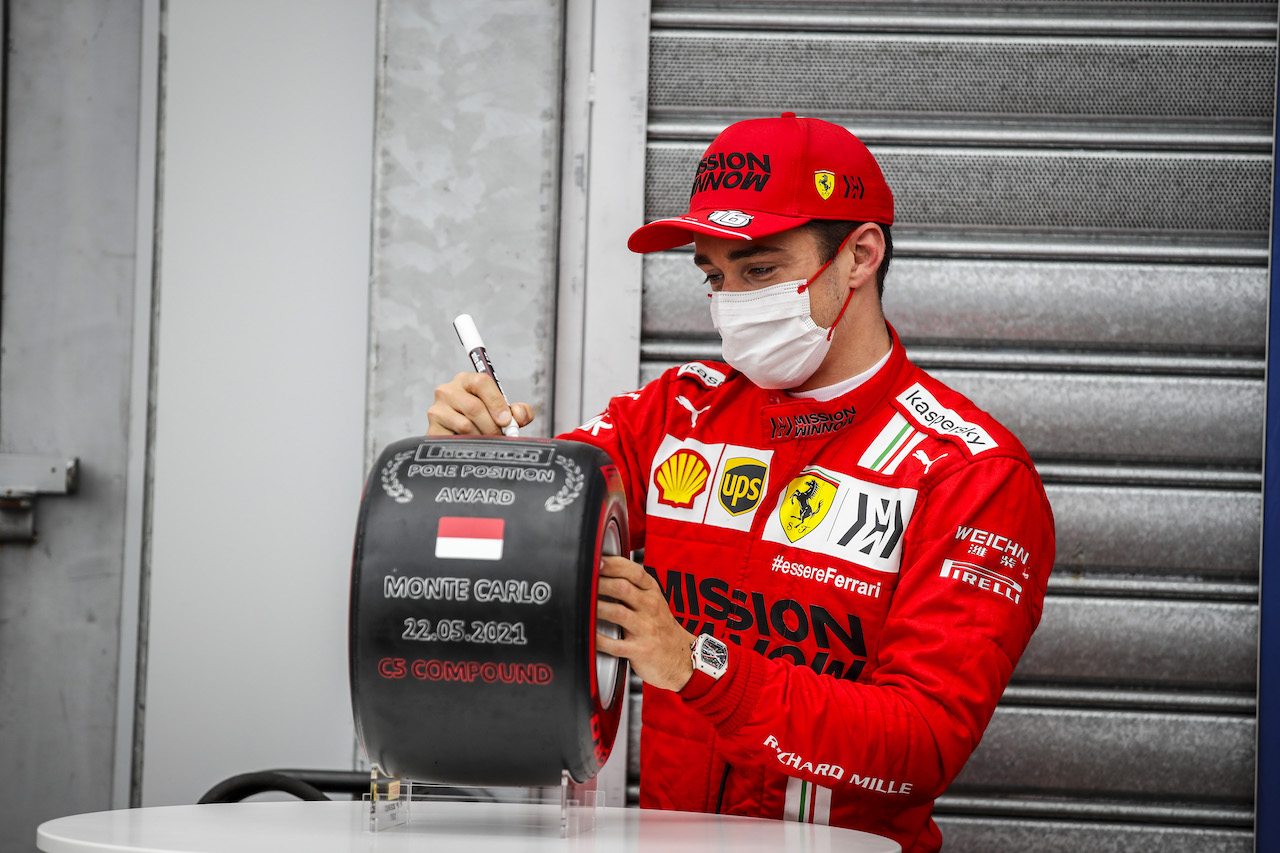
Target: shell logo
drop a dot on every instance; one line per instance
(681, 478)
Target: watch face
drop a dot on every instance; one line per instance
(713, 653)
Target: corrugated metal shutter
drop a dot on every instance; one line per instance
(1083, 198)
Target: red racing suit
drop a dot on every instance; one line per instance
(876, 564)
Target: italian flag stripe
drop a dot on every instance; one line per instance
(887, 444)
(806, 802)
(916, 438)
(888, 451)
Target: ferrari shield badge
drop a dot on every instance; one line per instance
(806, 502)
(825, 182)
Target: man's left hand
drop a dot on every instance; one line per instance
(653, 641)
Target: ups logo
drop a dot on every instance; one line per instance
(742, 484)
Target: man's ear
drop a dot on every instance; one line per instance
(866, 245)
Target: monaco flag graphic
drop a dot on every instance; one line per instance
(469, 538)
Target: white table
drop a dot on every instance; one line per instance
(454, 827)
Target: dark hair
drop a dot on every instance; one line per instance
(830, 233)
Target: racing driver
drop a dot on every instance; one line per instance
(844, 558)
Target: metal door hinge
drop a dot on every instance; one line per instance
(22, 478)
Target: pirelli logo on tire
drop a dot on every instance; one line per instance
(721, 485)
(840, 516)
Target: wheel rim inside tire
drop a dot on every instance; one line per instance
(607, 665)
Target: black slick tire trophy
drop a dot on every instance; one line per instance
(472, 622)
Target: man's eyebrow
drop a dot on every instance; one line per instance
(738, 254)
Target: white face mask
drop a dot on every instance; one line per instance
(769, 334)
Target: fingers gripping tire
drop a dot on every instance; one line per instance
(473, 598)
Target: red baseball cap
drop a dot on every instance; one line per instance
(766, 175)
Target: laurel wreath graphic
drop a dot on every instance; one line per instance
(391, 484)
(573, 482)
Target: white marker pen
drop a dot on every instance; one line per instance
(469, 335)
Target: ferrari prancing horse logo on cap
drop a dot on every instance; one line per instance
(825, 182)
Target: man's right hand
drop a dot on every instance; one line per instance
(471, 404)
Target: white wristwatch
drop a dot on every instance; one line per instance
(710, 655)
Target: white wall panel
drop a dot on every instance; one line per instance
(264, 225)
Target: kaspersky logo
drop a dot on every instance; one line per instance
(923, 408)
(681, 478)
(808, 498)
(742, 484)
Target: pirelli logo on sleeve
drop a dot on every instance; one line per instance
(827, 512)
(921, 407)
(983, 578)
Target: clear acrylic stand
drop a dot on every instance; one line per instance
(390, 803)
(578, 806)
